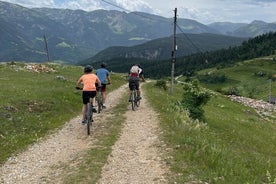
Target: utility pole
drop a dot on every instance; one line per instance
(46, 47)
(173, 52)
(269, 97)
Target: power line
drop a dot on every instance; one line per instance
(189, 39)
(117, 6)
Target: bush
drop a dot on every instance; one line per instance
(193, 99)
(161, 84)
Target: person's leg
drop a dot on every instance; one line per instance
(85, 99)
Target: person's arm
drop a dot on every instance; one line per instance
(108, 80)
(99, 82)
(78, 82)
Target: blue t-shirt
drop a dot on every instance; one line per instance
(102, 74)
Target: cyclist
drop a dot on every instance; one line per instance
(103, 75)
(88, 79)
(134, 73)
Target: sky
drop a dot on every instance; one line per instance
(203, 11)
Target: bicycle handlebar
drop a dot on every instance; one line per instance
(78, 88)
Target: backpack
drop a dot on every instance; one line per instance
(134, 69)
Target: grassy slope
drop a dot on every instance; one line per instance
(235, 145)
(32, 103)
(245, 77)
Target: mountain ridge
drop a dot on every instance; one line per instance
(74, 35)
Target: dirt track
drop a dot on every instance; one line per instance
(135, 157)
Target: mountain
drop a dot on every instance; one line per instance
(74, 35)
(255, 28)
(227, 28)
(160, 49)
(252, 29)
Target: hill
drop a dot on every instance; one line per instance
(260, 46)
(160, 49)
(233, 139)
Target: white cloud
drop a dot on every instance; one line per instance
(201, 10)
(33, 3)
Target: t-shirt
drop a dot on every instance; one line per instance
(102, 74)
(88, 81)
(134, 69)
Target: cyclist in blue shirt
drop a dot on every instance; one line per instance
(103, 75)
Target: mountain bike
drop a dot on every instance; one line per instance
(88, 114)
(99, 98)
(133, 99)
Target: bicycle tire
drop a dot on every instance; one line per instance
(99, 103)
(132, 98)
(137, 103)
(89, 116)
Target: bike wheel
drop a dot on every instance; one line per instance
(137, 103)
(100, 103)
(132, 100)
(89, 116)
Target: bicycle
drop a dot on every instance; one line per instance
(99, 98)
(135, 102)
(88, 114)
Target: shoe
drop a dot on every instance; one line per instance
(83, 122)
(138, 98)
(104, 107)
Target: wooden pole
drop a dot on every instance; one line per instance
(173, 52)
(46, 47)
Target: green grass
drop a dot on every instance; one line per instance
(245, 76)
(32, 104)
(235, 145)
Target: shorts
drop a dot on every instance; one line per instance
(86, 95)
(133, 83)
(103, 87)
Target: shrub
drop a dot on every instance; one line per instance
(161, 84)
(194, 98)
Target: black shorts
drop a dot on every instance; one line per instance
(86, 95)
(133, 83)
(103, 87)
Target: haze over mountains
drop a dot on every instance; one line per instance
(75, 35)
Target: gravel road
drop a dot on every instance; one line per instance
(135, 158)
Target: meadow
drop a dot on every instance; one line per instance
(234, 144)
(35, 100)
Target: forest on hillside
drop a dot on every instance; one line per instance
(259, 46)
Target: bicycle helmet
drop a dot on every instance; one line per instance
(88, 69)
(103, 65)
